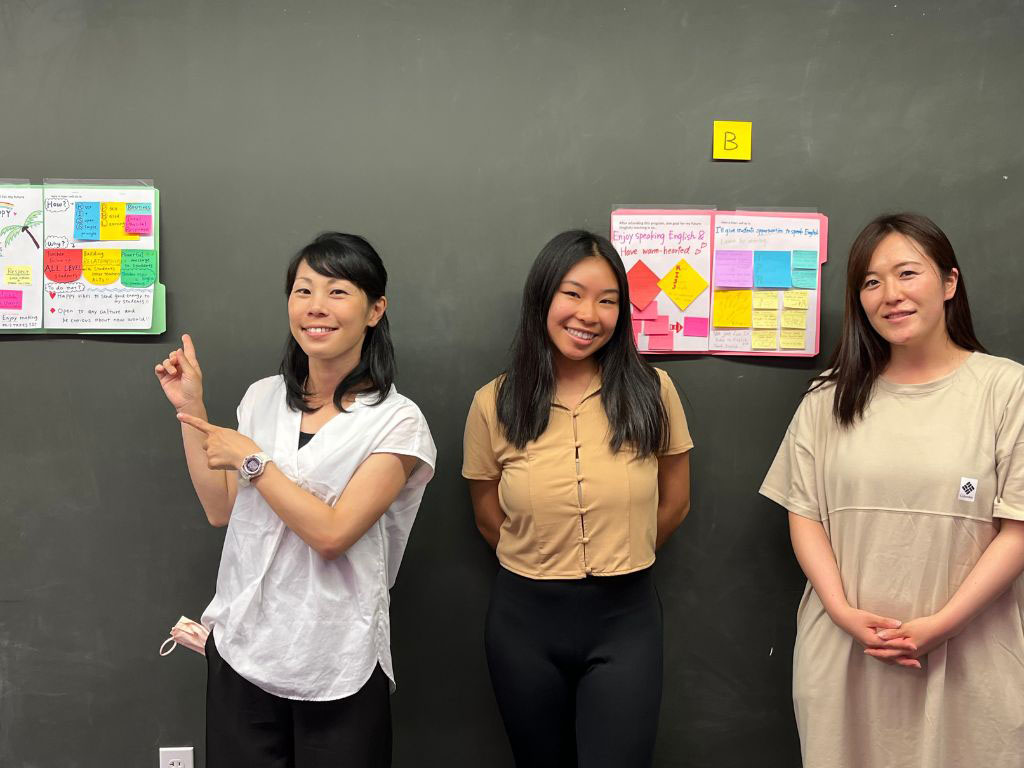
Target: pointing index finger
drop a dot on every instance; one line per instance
(194, 421)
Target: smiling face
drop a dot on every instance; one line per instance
(329, 316)
(585, 308)
(903, 294)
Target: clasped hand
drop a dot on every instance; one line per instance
(225, 448)
(890, 640)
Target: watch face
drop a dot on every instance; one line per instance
(251, 465)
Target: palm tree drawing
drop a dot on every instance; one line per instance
(11, 231)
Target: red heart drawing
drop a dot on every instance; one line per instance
(52, 310)
(52, 294)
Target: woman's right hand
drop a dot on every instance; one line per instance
(181, 378)
(863, 627)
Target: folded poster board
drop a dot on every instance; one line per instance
(723, 282)
(92, 265)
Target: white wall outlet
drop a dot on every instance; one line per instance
(176, 757)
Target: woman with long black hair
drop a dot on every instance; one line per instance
(578, 465)
(903, 475)
(319, 487)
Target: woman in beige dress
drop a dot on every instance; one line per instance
(903, 474)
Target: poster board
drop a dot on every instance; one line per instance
(723, 282)
(92, 265)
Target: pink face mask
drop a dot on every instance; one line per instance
(187, 633)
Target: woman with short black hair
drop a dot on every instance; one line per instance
(319, 487)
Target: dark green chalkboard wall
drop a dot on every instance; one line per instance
(458, 136)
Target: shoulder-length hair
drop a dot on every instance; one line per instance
(630, 389)
(346, 257)
(862, 354)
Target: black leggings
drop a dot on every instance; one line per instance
(576, 667)
(246, 727)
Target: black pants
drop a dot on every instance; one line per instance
(250, 728)
(576, 668)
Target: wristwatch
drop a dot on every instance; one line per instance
(252, 467)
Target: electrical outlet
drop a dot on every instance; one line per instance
(176, 757)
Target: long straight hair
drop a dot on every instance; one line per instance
(862, 354)
(630, 389)
(346, 257)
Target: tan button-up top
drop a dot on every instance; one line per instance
(572, 507)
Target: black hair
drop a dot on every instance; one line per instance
(862, 354)
(346, 257)
(630, 389)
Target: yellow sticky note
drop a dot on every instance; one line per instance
(101, 266)
(112, 222)
(732, 309)
(683, 284)
(16, 274)
(732, 140)
(794, 318)
(766, 299)
(764, 339)
(794, 299)
(792, 339)
(766, 318)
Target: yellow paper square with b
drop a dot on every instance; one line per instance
(683, 284)
(732, 140)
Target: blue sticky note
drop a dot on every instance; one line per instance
(805, 259)
(805, 278)
(87, 221)
(140, 209)
(771, 269)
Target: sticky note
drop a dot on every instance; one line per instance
(18, 274)
(771, 269)
(805, 259)
(656, 326)
(683, 284)
(101, 266)
(62, 265)
(805, 278)
(112, 222)
(647, 313)
(695, 326)
(765, 339)
(138, 224)
(792, 339)
(638, 325)
(766, 299)
(766, 318)
(138, 268)
(643, 285)
(732, 309)
(734, 269)
(794, 299)
(10, 300)
(87, 221)
(660, 343)
(732, 140)
(794, 318)
(138, 209)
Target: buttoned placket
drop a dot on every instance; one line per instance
(584, 539)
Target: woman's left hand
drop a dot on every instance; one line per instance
(926, 633)
(225, 448)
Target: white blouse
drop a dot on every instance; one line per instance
(287, 620)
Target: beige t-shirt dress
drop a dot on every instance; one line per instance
(910, 496)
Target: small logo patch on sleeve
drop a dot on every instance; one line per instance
(968, 489)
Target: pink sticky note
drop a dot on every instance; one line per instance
(734, 269)
(10, 300)
(647, 313)
(695, 326)
(638, 325)
(660, 343)
(138, 224)
(657, 326)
